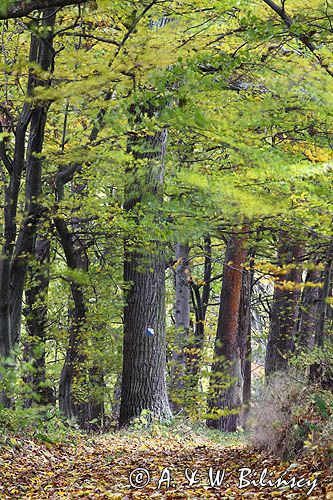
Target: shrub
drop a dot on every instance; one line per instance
(290, 417)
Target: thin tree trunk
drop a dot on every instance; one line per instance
(200, 302)
(225, 394)
(182, 328)
(89, 409)
(284, 311)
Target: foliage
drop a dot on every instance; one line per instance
(100, 467)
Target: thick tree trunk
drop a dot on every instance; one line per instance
(285, 306)
(225, 393)
(182, 328)
(244, 341)
(144, 370)
(144, 348)
(36, 318)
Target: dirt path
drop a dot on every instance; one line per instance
(102, 469)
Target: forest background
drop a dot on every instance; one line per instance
(166, 216)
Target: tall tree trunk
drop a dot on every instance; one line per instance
(225, 393)
(284, 310)
(75, 370)
(318, 372)
(144, 347)
(182, 327)
(36, 318)
(244, 340)
(15, 253)
(200, 302)
(71, 374)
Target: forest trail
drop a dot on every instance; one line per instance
(101, 467)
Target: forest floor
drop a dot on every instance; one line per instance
(105, 466)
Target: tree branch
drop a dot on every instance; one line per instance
(21, 9)
(303, 37)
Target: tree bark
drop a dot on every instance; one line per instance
(21, 9)
(284, 310)
(36, 318)
(16, 251)
(318, 372)
(225, 392)
(182, 328)
(244, 340)
(144, 356)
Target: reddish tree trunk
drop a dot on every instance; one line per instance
(225, 392)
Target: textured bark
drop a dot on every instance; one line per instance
(225, 394)
(285, 307)
(244, 341)
(182, 326)
(144, 371)
(36, 318)
(16, 251)
(144, 357)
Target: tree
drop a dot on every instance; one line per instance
(284, 311)
(144, 351)
(17, 248)
(225, 398)
(182, 327)
(15, 8)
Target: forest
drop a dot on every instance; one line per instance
(166, 283)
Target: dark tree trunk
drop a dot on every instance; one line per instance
(144, 356)
(284, 310)
(76, 376)
(309, 315)
(319, 372)
(225, 393)
(16, 252)
(36, 318)
(200, 302)
(182, 328)
(71, 374)
(88, 410)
